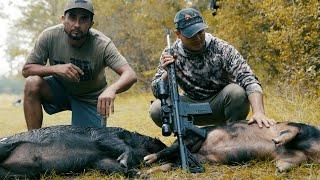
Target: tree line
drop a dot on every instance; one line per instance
(279, 38)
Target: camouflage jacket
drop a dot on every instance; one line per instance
(203, 75)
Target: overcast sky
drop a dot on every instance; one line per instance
(9, 8)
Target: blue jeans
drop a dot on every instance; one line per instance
(83, 113)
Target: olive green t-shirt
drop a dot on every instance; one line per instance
(97, 53)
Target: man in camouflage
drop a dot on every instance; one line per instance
(210, 70)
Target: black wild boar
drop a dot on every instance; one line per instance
(65, 149)
(288, 143)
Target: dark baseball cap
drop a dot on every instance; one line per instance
(189, 21)
(82, 4)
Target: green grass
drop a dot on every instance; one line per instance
(131, 112)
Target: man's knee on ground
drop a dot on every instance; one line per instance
(154, 112)
(33, 85)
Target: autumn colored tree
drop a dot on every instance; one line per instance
(137, 28)
(279, 38)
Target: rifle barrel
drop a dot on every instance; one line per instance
(173, 88)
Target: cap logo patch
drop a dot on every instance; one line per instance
(187, 16)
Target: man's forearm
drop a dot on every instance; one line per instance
(37, 69)
(126, 80)
(256, 102)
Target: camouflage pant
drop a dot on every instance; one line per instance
(230, 104)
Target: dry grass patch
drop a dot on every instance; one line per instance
(131, 112)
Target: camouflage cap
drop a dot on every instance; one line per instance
(82, 4)
(189, 21)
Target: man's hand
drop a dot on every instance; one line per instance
(258, 115)
(69, 72)
(166, 59)
(106, 99)
(106, 102)
(261, 119)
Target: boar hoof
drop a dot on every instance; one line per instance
(123, 159)
(149, 159)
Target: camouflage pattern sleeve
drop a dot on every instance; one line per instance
(238, 68)
(156, 79)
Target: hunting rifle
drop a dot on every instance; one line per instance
(177, 116)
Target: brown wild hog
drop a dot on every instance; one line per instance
(288, 143)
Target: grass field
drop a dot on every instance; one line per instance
(131, 112)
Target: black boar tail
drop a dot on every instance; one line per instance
(7, 148)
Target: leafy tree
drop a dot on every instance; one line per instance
(36, 16)
(137, 28)
(279, 38)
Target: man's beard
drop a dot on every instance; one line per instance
(78, 37)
